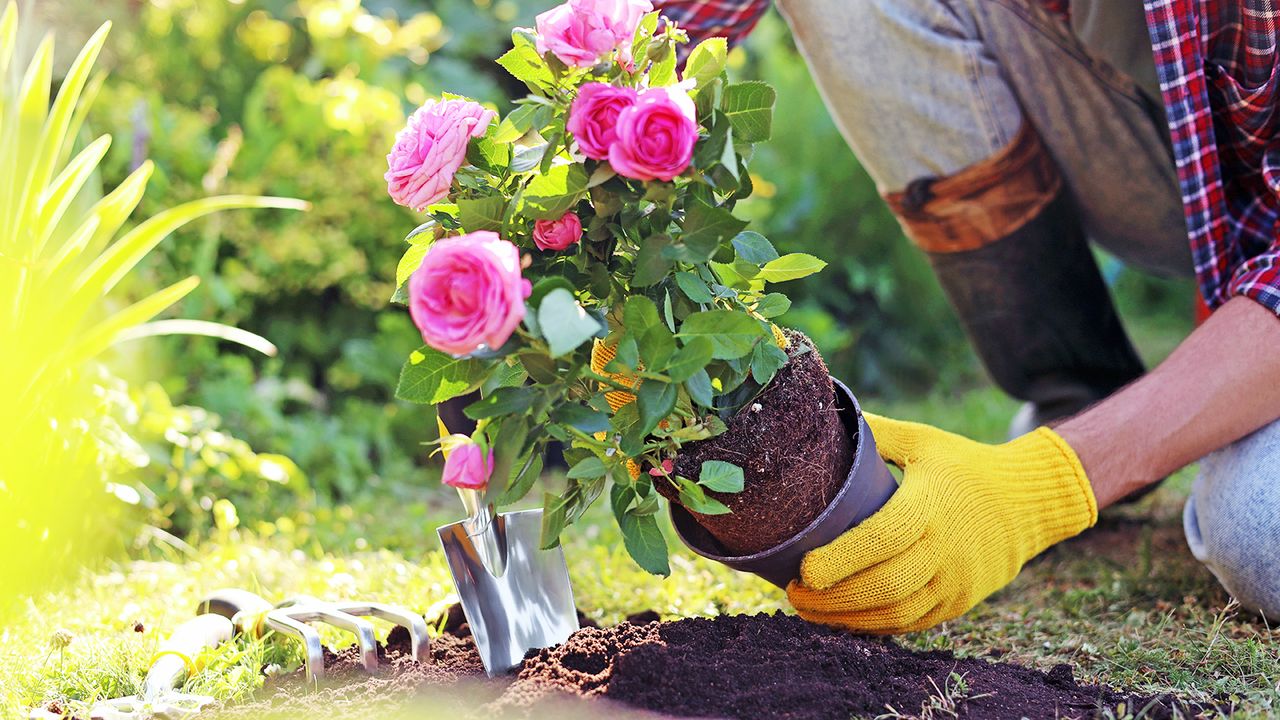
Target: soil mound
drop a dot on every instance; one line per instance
(793, 450)
(761, 666)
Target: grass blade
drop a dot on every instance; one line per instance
(124, 254)
(105, 332)
(203, 328)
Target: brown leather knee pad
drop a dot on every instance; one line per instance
(983, 203)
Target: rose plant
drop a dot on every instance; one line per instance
(598, 215)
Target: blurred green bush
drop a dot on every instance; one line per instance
(301, 98)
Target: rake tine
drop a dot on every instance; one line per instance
(282, 622)
(330, 615)
(420, 644)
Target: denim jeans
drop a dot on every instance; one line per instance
(932, 88)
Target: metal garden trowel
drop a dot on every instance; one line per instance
(515, 595)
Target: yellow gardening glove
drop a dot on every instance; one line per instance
(966, 518)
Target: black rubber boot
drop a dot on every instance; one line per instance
(1040, 316)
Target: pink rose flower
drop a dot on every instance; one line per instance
(468, 293)
(431, 148)
(468, 466)
(655, 136)
(583, 32)
(557, 234)
(593, 117)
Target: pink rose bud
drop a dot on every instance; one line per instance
(584, 32)
(431, 148)
(655, 136)
(593, 117)
(557, 234)
(468, 293)
(468, 466)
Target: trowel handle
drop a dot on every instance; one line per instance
(177, 656)
(241, 607)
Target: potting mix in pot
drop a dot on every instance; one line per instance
(581, 267)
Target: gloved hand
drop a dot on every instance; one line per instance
(965, 519)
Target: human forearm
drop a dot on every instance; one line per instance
(1219, 385)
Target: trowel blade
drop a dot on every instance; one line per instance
(516, 596)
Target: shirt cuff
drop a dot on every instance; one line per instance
(1258, 279)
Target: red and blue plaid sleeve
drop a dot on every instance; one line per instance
(702, 19)
(1220, 76)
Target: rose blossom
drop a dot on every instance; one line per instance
(468, 292)
(557, 234)
(655, 136)
(468, 466)
(583, 32)
(431, 148)
(593, 117)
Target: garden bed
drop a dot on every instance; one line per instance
(728, 667)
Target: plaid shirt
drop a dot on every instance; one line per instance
(1220, 75)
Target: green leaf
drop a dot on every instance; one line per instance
(525, 64)
(540, 367)
(546, 285)
(766, 359)
(700, 390)
(791, 267)
(705, 228)
(524, 118)
(424, 234)
(732, 334)
(549, 196)
(773, 305)
(523, 478)
(586, 419)
(639, 314)
(754, 248)
(706, 61)
(527, 158)
(693, 497)
(410, 262)
(656, 400)
(430, 376)
(620, 498)
(553, 519)
(491, 157)
(693, 287)
(644, 35)
(588, 468)
(503, 401)
(663, 71)
(484, 213)
(651, 264)
(749, 106)
(564, 323)
(720, 476)
(644, 542)
(689, 359)
(628, 353)
(657, 345)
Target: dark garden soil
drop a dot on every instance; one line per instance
(792, 448)
(761, 666)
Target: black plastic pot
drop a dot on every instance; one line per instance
(867, 488)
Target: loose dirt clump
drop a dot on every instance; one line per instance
(399, 684)
(793, 450)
